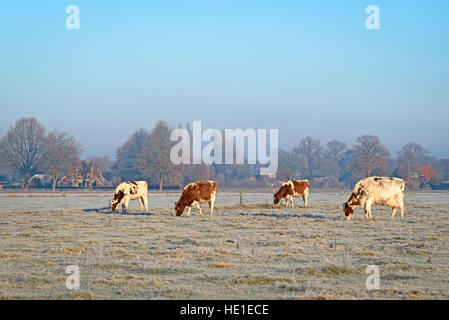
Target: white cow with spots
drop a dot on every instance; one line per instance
(385, 191)
(130, 190)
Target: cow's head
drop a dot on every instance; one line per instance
(113, 205)
(276, 197)
(349, 210)
(179, 208)
(118, 196)
(353, 202)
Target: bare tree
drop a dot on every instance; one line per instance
(410, 157)
(334, 149)
(331, 165)
(442, 168)
(154, 162)
(413, 155)
(103, 164)
(60, 151)
(291, 161)
(5, 167)
(128, 154)
(329, 168)
(311, 150)
(369, 157)
(197, 172)
(21, 147)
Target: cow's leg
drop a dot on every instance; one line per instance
(368, 209)
(212, 204)
(123, 208)
(305, 197)
(400, 202)
(402, 211)
(145, 202)
(210, 207)
(199, 208)
(126, 205)
(291, 199)
(395, 203)
(286, 202)
(145, 199)
(188, 211)
(393, 212)
(141, 203)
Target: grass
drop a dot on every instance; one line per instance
(251, 251)
(259, 280)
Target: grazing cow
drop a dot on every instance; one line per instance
(290, 189)
(196, 193)
(376, 190)
(130, 190)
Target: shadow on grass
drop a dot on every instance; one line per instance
(108, 211)
(287, 215)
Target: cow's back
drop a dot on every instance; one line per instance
(381, 188)
(205, 190)
(198, 191)
(133, 189)
(142, 186)
(300, 186)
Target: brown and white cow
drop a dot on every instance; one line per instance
(130, 190)
(196, 193)
(376, 190)
(290, 189)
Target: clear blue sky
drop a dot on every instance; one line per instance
(305, 67)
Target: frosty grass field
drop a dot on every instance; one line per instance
(254, 251)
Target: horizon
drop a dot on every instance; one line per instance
(306, 69)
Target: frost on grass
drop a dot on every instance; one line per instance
(253, 251)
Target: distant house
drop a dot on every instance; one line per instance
(318, 180)
(427, 173)
(40, 180)
(416, 177)
(327, 182)
(87, 175)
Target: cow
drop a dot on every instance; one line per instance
(376, 190)
(130, 190)
(290, 189)
(196, 193)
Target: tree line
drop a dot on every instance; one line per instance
(367, 157)
(27, 149)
